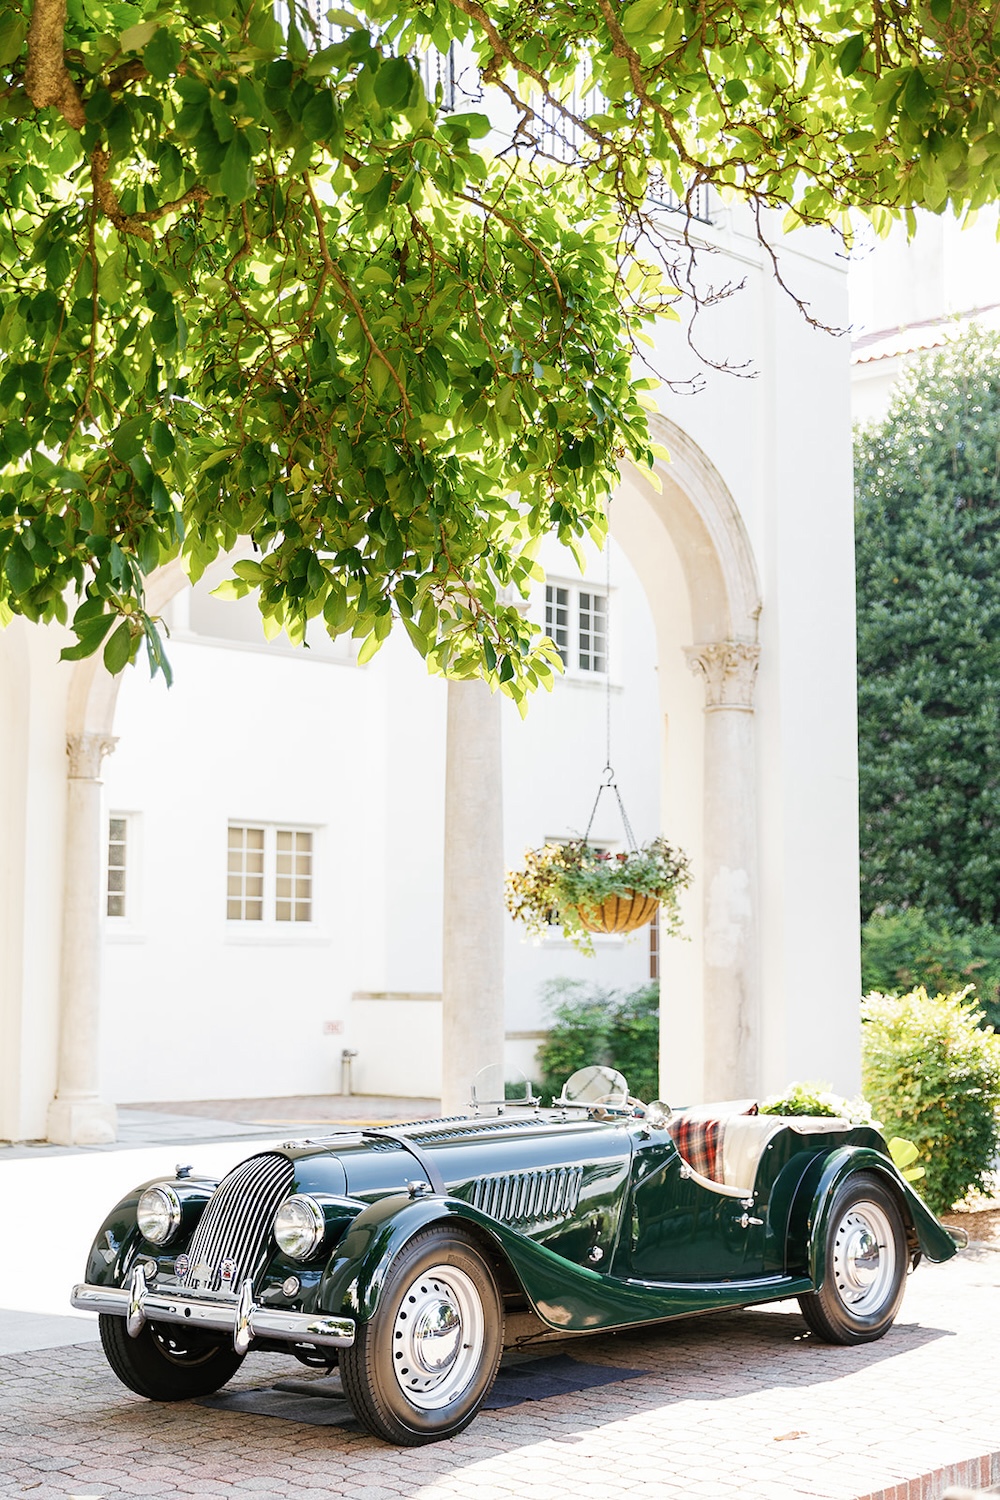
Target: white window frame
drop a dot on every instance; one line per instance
(575, 590)
(268, 928)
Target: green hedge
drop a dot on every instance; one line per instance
(592, 1025)
(932, 1076)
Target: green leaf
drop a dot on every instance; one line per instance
(469, 125)
(378, 198)
(162, 54)
(736, 90)
(368, 648)
(236, 176)
(13, 30)
(127, 441)
(645, 16)
(318, 116)
(90, 634)
(393, 82)
(162, 439)
(918, 96)
(19, 568)
(119, 648)
(134, 38)
(850, 54)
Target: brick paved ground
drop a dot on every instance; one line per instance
(742, 1404)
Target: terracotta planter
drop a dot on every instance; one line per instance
(622, 913)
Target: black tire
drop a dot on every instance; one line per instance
(422, 1366)
(168, 1362)
(866, 1261)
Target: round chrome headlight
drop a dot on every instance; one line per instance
(158, 1213)
(299, 1226)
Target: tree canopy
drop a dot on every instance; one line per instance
(258, 282)
(928, 559)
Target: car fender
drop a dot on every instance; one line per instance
(563, 1294)
(932, 1237)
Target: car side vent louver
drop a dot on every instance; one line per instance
(546, 1194)
(231, 1241)
(446, 1132)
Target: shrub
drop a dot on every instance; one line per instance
(817, 1099)
(932, 1075)
(591, 1025)
(901, 950)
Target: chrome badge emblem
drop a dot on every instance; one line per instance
(227, 1272)
(182, 1266)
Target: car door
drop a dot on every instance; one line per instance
(682, 1230)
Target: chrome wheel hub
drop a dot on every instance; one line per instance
(864, 1258)
(437, 1337)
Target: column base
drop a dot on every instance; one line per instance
(82, 1122)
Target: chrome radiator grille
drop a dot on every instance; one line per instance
(231, 1240)
(545, 1194)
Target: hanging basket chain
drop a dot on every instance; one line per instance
(608, 774)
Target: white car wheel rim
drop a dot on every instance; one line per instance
(437, 1337)
(864, 1259)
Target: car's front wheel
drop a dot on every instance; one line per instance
(168, 1362)
(866, 1260)
(422, 1366)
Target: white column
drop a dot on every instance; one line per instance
(77, 1115)
(731, 951)
(472, 976)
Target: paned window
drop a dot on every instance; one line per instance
(293, 884)
(117, 865)
(557, 619)
(576, 621)
(593, 641)
(245, 886)
(270, 874)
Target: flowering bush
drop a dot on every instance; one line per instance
(818, 1099)
(560, 879)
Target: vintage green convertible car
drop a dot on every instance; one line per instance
(411, 1256)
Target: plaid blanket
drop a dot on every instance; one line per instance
(698, 1141)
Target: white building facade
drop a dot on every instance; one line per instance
(211, 891)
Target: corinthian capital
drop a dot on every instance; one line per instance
(86, 751)
(729, 669)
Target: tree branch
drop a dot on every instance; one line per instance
(46, 78)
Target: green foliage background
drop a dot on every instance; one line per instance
(592, 1025)
(928, 567)
(906, 950)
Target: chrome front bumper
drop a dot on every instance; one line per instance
(139, 1303)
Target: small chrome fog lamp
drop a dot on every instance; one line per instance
(158, 1213)
(299, 1226)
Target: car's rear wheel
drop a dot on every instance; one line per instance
(866, 1260)
(422, 1366)
(168, 1362)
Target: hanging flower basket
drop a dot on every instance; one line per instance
(622, 913)
(587, 890)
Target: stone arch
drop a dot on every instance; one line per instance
(78, 1115)
(711, 554)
